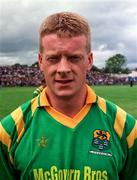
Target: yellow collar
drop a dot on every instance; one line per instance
(91, 97)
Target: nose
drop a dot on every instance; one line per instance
(63, 66)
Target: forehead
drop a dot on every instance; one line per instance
(54, 43)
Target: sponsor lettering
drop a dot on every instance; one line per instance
(69, 174)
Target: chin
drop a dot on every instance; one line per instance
(65, 94)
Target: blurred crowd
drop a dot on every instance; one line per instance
(101, 78)
(23, 75)
(20, 75)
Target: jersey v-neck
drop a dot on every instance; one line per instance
(64, 119)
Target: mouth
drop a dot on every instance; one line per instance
(64, 81)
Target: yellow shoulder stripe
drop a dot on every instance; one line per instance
(119, 121)
(4, 137)
(34, 104)
(132, 136)
(17, 116)
(102, 104)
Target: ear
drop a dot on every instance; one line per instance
(40, 61)
(90, 61)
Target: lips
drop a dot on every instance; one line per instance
(64, 81)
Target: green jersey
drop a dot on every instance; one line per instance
(39, 143)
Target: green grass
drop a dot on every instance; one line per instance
(124, 96)
(11, 98)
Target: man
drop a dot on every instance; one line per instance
(67, 132)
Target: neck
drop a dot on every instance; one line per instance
(69, 106)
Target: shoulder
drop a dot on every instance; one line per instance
(123, 123)
(108, 107)
(13, 126)
(23, 112)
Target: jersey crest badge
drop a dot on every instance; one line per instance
(101, 140)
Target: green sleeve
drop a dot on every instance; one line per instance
(7, 170)
(129, 171)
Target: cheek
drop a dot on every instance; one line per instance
(49, 71)
(81, 73)
(84, 68)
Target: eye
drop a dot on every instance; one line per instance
(52, 58)
(74, 58)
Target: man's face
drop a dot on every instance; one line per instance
(64, 62)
